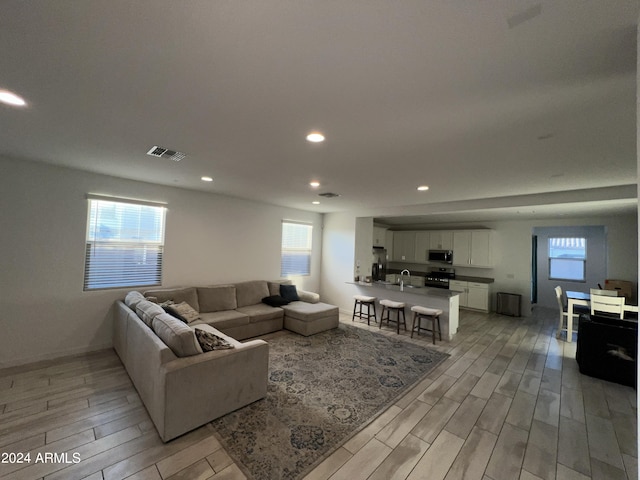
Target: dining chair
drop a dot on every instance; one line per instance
(564, 315)
(607, 304)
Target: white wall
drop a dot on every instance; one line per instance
(511, 253)
(44, 311)
(338, 260)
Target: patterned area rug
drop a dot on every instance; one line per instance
(322, 390)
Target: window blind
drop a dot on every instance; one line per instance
(296, 249)
(124, 244)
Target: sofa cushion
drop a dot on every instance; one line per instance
(261, 312)
(210, 341)
(147, 311)
(222, 320)
(275, 301)
(274, 286)
(217, 298)
(251, 293)
(180, 338)
(132, 299)
(289, 292)
(176, 295)
(309, 311)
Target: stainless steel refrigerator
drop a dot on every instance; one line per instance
(379, 267)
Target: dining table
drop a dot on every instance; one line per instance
(582, 298)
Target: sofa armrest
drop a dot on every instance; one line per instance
(309, 297)
(201, 388)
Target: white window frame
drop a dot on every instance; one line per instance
(571, 259)
(296, 247)
(126, 257)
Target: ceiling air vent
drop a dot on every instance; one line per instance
(162, 152)
(329, 195)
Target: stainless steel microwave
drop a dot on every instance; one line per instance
(442, 256)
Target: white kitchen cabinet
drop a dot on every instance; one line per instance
(441, 240)
(389, 243)
(481, 248)
(422, 246)
(478, 296)
(459, 286)
(462, 248)
(472, 248)
(379, 237)
(404, 246)
(473, 295)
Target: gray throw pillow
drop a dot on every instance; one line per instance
(186, 311)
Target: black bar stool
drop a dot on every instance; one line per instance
(391, 306)
(362, 300)
(430, 314)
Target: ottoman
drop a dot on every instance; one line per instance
(310, 318)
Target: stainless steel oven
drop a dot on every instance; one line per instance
(439, 278)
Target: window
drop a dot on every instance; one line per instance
(296, 249)
(567, 259)
(124, 244)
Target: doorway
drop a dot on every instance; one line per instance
(575, 258)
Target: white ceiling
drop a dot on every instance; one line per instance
(478, 99)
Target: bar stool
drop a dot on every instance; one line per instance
(362, 300)
(431, 314)
(391, 306)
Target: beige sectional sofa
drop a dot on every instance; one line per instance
(183, 387)
(238, 311)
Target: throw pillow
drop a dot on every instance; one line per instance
(289, 292)
(275, 301)
(172, 311)
(186, 311)
(208, 341)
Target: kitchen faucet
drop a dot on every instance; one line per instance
(401, 276)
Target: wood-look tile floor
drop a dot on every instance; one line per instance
(508, 404)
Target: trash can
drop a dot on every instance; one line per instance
(508, 304)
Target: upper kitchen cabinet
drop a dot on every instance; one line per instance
(441, 240)
(422, 246)
(472, 248)
(379, 237)
(404, 246)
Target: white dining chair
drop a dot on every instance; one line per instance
(564, 315)
(607, 304)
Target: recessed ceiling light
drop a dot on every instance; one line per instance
(423, 188)
(316, 203)
(315, 137)
(206, 179)
(314, 184)
(10, 98)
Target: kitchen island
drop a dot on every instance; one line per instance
(442, 299)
